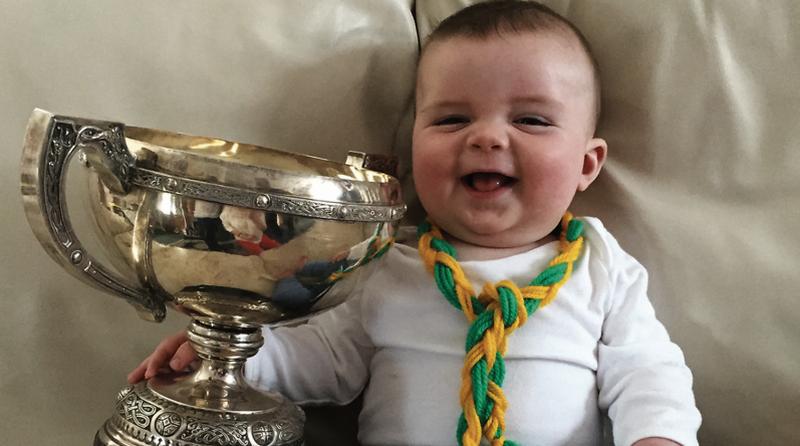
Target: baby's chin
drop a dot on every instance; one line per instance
(476, 246)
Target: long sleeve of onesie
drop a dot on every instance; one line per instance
(323, 361)
(642, 378)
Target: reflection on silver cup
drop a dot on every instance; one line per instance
(234, 235)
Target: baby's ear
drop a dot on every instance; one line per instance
(593, 159)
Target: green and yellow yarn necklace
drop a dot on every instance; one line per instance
(493, 315)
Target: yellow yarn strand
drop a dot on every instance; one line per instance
(493, 343)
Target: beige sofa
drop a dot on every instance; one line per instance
(701, 104)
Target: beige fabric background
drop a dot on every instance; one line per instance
(701, 104)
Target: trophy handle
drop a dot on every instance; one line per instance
(50, 142)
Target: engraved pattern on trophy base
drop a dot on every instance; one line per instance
(143, 417)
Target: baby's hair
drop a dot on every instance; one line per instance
(495, 17)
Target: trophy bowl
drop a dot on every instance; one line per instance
(233, 235)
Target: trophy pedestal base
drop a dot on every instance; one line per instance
(211, 406)
(145, 418)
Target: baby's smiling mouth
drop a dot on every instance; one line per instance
(487, 181)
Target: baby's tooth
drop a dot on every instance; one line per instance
(487, 182)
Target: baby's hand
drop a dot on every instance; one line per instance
(172, 354)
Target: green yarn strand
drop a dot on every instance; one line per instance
(478, 328)
(531, 305)
(446, 284)
(480, 385)
(574, 230)
(423, 228)
(508, 305)
(551, 275)
(462, 427)
(443, 246)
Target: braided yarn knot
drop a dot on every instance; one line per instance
(493, 315)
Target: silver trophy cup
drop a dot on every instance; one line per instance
(233, 235)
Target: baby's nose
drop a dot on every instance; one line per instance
(488, 136)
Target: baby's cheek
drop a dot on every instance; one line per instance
(427, 190)
(427, 173)
(431, 190)
(554, 168)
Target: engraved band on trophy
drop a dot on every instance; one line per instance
(234, 235)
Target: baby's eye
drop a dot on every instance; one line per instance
(451, 120)
(533, 120)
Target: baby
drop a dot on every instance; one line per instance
(507, 101)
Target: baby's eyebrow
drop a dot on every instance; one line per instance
(536, 99)
(551, 103)
(445, 104)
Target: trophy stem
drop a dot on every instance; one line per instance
(213, 405)
(220, 342)
(219, 380)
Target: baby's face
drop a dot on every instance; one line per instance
(503, 136)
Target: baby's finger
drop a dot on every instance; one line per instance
(137, 374)
(183, 357)
(162, 354)
(156, 361)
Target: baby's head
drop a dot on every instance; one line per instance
(506, 106)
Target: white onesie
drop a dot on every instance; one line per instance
(597, 347)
